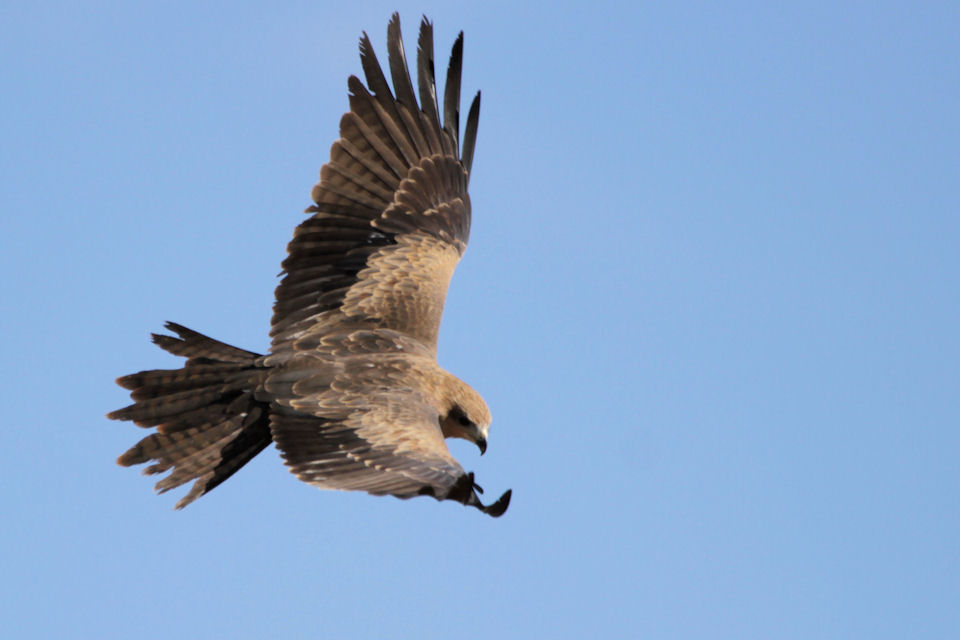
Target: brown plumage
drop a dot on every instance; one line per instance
(350, 391)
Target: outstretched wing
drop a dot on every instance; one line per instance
(391, 216)
(384, 442)
(353, 411)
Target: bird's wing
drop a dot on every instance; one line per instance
(391, 216)
(390, 445)
(352, 411)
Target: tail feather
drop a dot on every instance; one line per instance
(208, 422)
(150, 384)
(197, 347)
(213, 414)
(149, 413)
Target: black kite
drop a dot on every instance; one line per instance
(350, 391)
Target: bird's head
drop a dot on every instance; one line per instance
(467, 415)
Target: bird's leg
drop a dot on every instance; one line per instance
(465, 492)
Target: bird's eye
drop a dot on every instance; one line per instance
(465, 421)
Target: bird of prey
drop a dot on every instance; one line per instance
(350, 391)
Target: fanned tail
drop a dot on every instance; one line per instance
(208, 422)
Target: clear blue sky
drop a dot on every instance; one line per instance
(712, 297)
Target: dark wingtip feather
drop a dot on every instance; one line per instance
(470, 135)
(179, 329)
(156, 338)
(426, 73)
(372, 71)
(399, 71)
(451, 92)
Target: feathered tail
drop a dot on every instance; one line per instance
(208, 422)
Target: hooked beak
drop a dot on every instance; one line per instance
(482, 445)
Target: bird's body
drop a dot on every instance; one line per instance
(350, 391)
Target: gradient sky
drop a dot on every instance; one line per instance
(712, 297)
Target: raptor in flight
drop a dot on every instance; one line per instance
(350, 392)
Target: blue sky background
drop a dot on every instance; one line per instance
(711, 297)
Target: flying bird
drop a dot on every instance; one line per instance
(350, 391)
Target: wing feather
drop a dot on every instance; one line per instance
(451, 93)
(427, 83)
(356, 188)
(392, 124)
(470, 134)
(398, 64)
(375, 78)
(356, 131)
